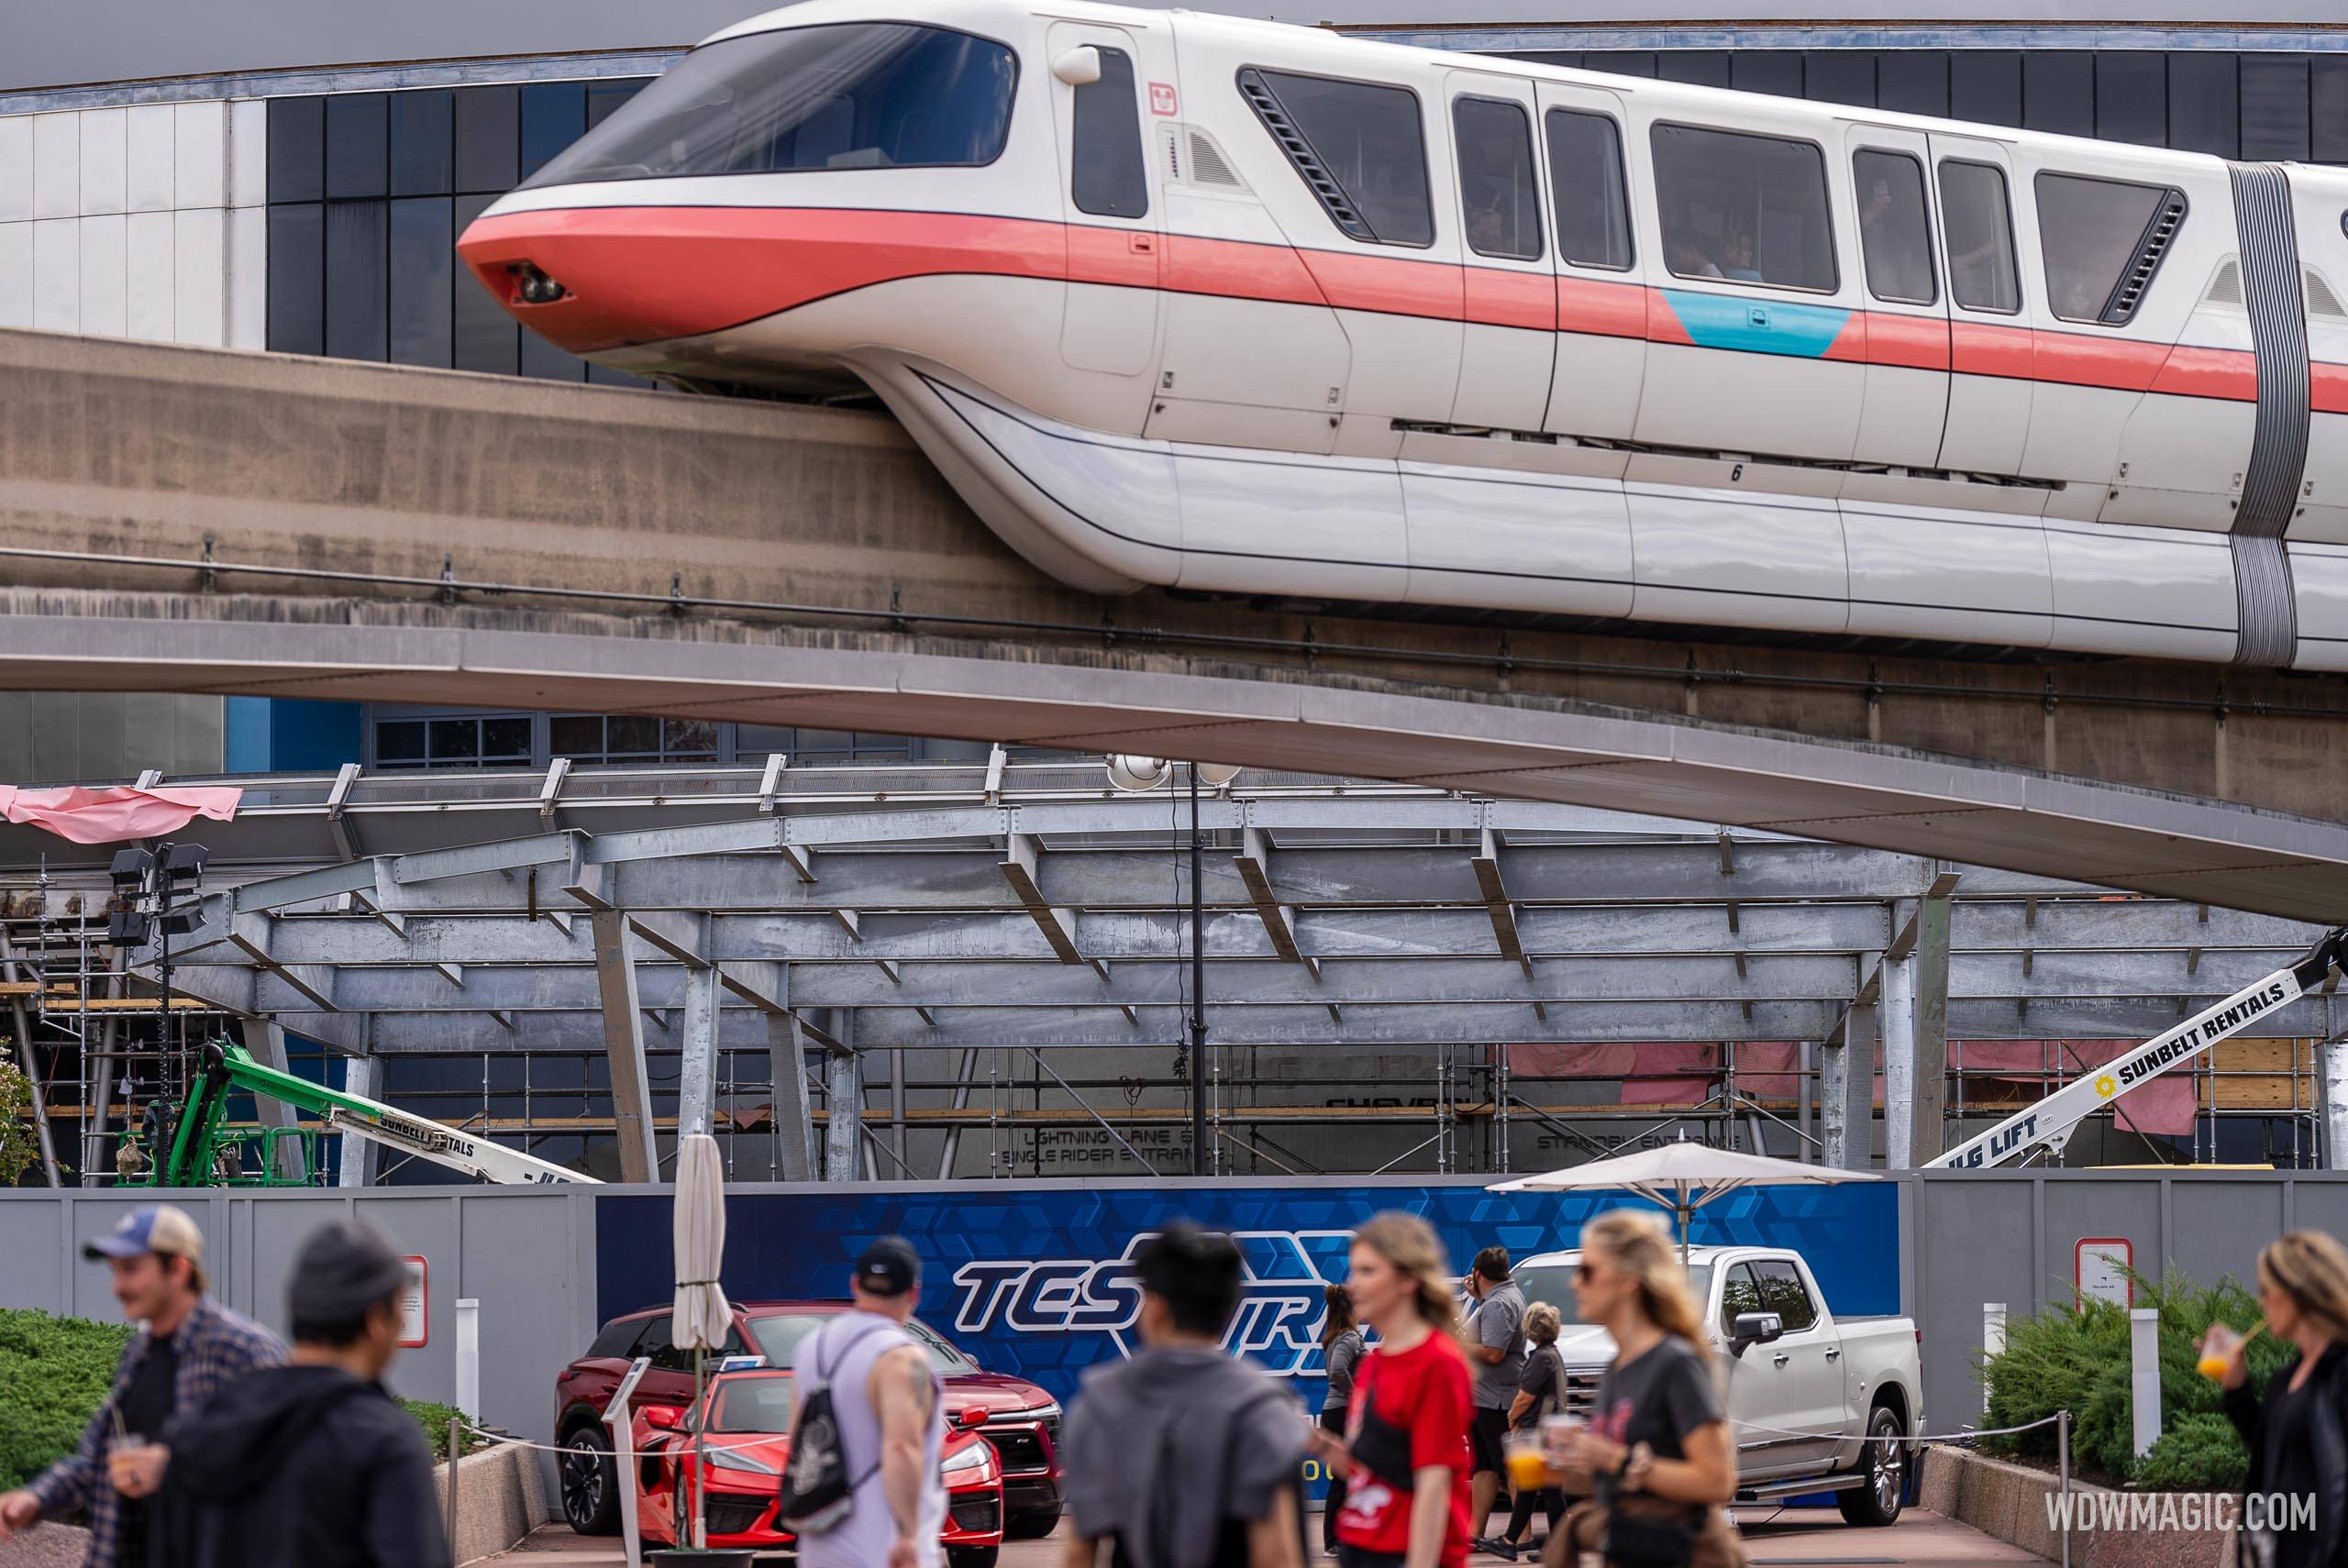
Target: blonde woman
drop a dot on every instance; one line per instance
(1405, 1449)
(2295, 1434)
(1540, 1391)
(1657, 1451)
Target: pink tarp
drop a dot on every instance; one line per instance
(105, 816)
(2163, 1106)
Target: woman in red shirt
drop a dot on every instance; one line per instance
(1405, 1449)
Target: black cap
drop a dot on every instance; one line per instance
(345, 1267)
(889, 1267)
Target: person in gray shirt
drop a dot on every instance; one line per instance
(1341, 1350)
(1495, 1335)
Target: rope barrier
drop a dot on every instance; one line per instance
(508, 1440)
(1965, 1435)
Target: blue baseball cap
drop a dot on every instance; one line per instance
(149, 1228)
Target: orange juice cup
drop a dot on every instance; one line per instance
(1528, 1470)
(2218, 1348)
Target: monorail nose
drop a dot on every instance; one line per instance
(595, 279)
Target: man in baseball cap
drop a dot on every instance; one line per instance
(312, 1464)
(188, 1348)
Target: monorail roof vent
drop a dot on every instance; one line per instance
(2225, 289)
(2158, 235)
(2322, 301)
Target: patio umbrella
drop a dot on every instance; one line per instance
(701, 1317)
(1682, 1177)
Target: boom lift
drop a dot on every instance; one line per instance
(194, 1149)
(2049, 1124)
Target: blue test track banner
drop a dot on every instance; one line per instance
(1030, 1277)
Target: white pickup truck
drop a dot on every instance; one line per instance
(1815, 1404)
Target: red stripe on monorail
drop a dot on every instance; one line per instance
(2328, 388)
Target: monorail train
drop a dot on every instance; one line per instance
(1243, 308)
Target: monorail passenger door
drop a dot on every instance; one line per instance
(1906, 321)
(1106, 193)
(1509, 342)
(1989, 388)
(1601, 352)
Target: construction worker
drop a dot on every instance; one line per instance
(188, 1348)
(312, 1464)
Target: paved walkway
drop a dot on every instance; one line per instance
(1920, 1539)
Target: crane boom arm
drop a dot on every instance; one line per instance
(2050, 1121)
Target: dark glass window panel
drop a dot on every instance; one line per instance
(484, 337)
(1745, 208)
(2058, 92)
(1985, 86)
(603, 97)
(2328, 109)
(1366, 138)
(489, 139)
(884, 745)
(544, 362)
(1697, 67)
(1976, 227)
(1498, 195)
(505, 738)
(1775, 71)
(2132, 96)
(401, 741)
(1895, 234)
(1782, 1292)
(827, 741)
(1586, 186)
(1913, 81)
(575, 734)
(604, 376)
(1621, 61)
(357, 292)
(554, 114)
(1739, 1295)
(1839, 76)
(758, 740)
(1108, 178)
(2274, 106)
(423, 142)
(633, 734)
(297, 149)
(423, 276)
(297, 271)
(2090, 232)
(689, 735)
(357, 145)
(456, 740)
(1566, 58)
(838, 95)
(2204, 102)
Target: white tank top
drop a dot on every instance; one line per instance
(846, 1348)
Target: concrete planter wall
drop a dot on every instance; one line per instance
(501, 1497)
(2009, 1501)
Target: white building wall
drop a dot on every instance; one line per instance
(147, 222)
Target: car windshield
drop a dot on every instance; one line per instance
(778, 1336)
(1554, 1283)
(847, 96)
(756, 1402)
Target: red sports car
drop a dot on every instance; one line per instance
(747, 1442)
(1018, 1419)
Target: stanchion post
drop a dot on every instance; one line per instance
(468, 1356)
(1993, 1342)
(456, 1447)
(2063, 1476)
(2144, 1377)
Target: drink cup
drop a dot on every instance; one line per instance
(1553, 1437)
(2218, 1347)
(1528, 1469)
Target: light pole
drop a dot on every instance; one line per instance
(1137, 774)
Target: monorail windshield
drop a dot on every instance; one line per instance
(849, 96)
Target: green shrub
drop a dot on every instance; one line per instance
(2075, 1355)
(55, 1374)
(434, 1417)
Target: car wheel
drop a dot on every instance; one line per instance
(1030, 1524)
(1883, 1459)
(971, 1556)
(590, 1483)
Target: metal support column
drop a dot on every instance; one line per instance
(1202, 1155)
(97, 1156)
(1898, 1024)
(1806, 1091)
(1846, 1100)
(624, 1042)
(9, 970)
(897, 1104)
(1928, 1134)
(697, 1070)
(360, 1078)
(265, 1039)
(961, 1103)
(844, 1141)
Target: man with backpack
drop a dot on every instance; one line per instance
(864, 1489)
(1184, 1456)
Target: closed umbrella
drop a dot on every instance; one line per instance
(1682, 1177)
(700, 1319)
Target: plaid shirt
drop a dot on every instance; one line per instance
(214, 1345)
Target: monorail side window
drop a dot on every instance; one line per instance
(1496, 191)
(839, 95)
(1895, 235)
(2101, 241)
(1978, 227)
(1359, 147)
(1586, 186)
(1746, 208)
(1109, 177)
